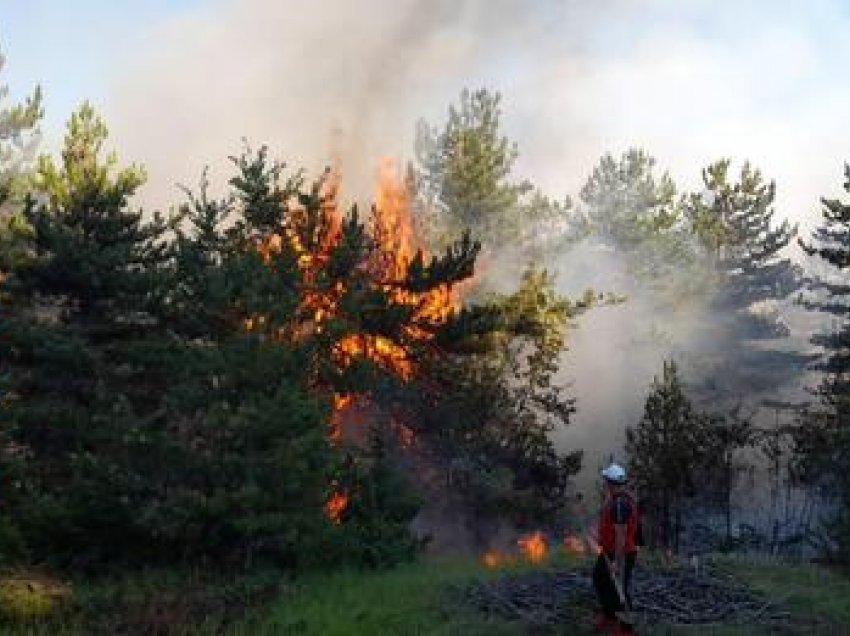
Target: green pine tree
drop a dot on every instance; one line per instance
(823, 439)
(624, 203)
(627, 206)
(734, 222)
(666, 451)
(488, 408)
(76, 350)
(465, 176)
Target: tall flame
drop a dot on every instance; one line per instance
(397, 246)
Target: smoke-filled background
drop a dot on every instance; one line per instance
(182, 83)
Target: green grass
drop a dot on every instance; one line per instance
(806, 589)
(411, 599)
(416, 598)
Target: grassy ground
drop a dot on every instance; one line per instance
(413, 600)
(407, 600)
(417, 598)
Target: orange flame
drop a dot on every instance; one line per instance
(341, 401)
(389, 266)
(533, 546)
(336, 505)
(392, 230)
(313, 242)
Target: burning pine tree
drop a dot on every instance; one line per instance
(384, 322)
(372, 304)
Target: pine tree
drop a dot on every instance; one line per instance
(667, 450)
(624, 203)
(464, 173)
(823, 439)
(249, 459)
(77, 348)
(19, 137)
(293, 273)
(488, 409)
(734, 222)
(627, 206)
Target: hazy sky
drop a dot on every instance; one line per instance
(181, 82)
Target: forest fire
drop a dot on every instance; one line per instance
(389, 265)
(387, 270)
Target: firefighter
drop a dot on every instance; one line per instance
(618, 543)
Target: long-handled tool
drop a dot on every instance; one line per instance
(624, 615)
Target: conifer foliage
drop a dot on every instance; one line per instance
(734, 222)
(667, 451)
(823, 439)
(75, 351)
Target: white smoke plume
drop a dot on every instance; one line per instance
(319, 81)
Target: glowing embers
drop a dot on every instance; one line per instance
(336, 505)
(341, 402)
(495, 559)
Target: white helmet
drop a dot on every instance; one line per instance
(615, 473)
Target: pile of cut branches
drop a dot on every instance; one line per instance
(669, 595)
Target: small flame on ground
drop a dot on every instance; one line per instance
(533, 546)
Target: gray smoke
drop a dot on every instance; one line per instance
(335, 80)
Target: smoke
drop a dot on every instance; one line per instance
(315, 81)
(347, 81)
(335, 79)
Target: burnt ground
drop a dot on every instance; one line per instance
(560, 600)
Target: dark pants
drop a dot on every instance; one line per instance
(606, 592)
